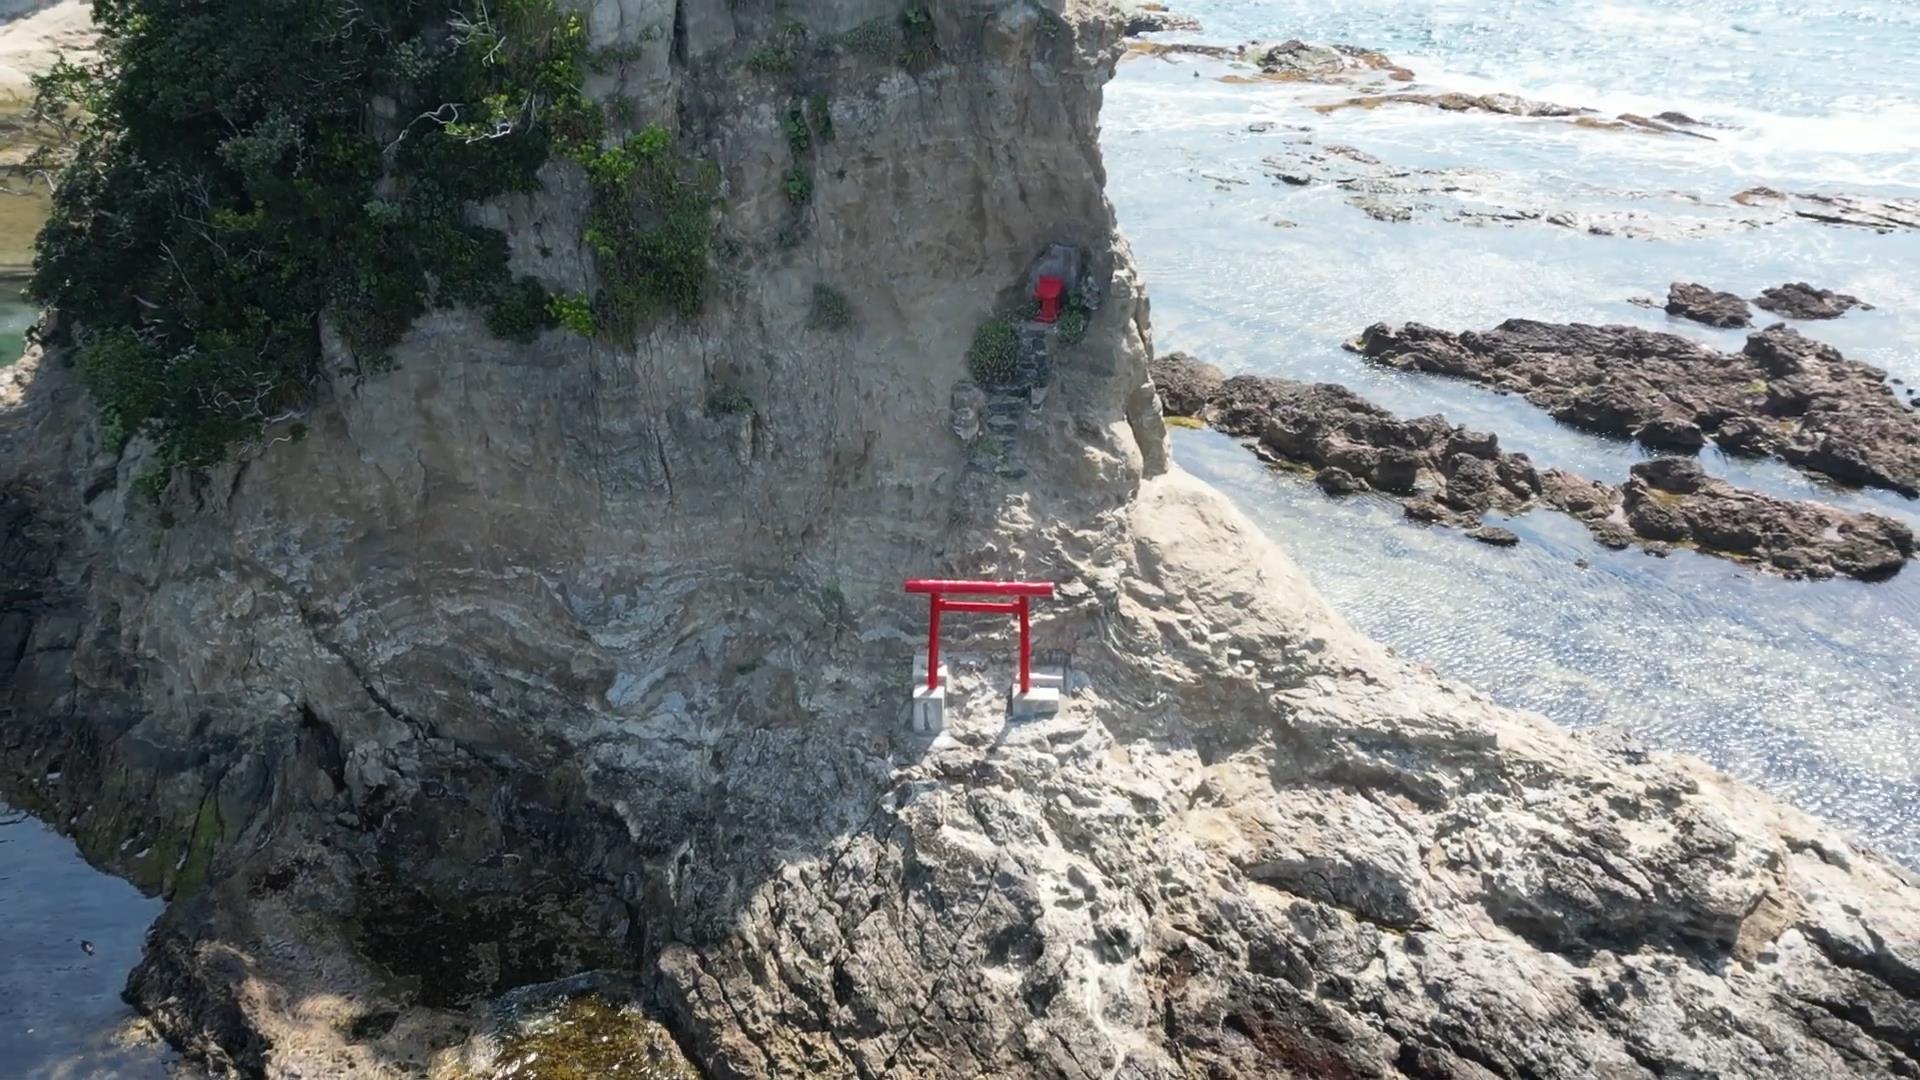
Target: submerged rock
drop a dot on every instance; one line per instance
(1784, 395)
(1799, 300)
(1704, 305)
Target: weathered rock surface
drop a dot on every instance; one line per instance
(1449, 475)
(1784, 395)
(1799, 300)
(516, 666)
(1704, 305)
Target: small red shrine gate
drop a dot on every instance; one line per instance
(1023, 593)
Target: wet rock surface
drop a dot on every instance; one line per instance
(1799, 300)
(1449, 475)
(1704, 305)
(1784, 395)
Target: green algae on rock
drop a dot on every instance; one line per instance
(587, 1038)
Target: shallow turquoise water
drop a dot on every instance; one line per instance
(1806, 688)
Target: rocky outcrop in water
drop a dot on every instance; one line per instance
(523, 661)
(1449, 475)
(1512, 105)
(1862, 211)
(1704, 305)
(1784, 395)
(1155, 19)
(1799, 300)
(1674, 500)
(1292, 61)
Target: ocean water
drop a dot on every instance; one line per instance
(16, 316)
(1808, 689)
(68, 936)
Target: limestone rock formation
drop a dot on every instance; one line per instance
(514, 665)
(1783, 395)
(1704, 305)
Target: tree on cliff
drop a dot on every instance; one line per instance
(240, 167)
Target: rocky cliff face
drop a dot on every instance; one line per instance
(510, 663)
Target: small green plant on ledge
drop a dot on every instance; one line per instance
(876, 38)
(919, 48)
(782, 53)
(991, 358)
(820, 112)
(575, 312)
(798, 186)
(1073, 324)
(728, 400)
(799, 135)
(831, 310)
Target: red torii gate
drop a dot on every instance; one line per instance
(937, 602)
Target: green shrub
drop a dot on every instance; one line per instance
(728, 401)
(820, 111)
(799, 136)
(650, 229)
(878, 38)
(521, 312)
(799, 186)
(991, 358)
(573, 312)
(831, 310)
(918, 46)
(220, 192)
(1073, 324)
(152, 483)
(782, 53)
(203, 225)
